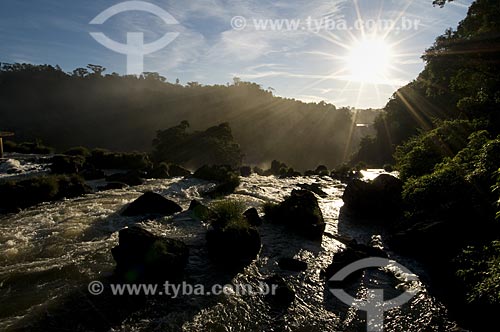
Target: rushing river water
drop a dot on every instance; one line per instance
(50, 252)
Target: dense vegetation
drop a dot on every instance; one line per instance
(442, 131)
(213, 146)
(123, 113)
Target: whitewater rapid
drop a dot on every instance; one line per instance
(51, 251)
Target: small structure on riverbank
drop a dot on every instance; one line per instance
(2, 135)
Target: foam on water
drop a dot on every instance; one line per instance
(53, 249)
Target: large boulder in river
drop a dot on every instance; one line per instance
(292, 264)
(227, 180)
(142, 255)
(281, 293)
(177, 171)
(379, 199)
(233, 245)
(351, 254)
(301, 212)
(132, 178)
(152, 204)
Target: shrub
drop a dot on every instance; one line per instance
(27, 147)
(444, 195)
(388, 168)
(228, 179)
(480, 271)
(25, 193)
(105, 159)
(67, 164)
(78, 151)
(232, 240)
(420, 154)
(226, 213)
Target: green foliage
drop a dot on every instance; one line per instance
(480, 271)
(228, 179)
(78, 151)
(496, 191)
(27, 147)
(388, 168)
(123, 113)
(67, 164)
(213, 146)
(25, 193)
(227, 214)
(461, 80)
(419, 155)
(443, 195)
(104, 159)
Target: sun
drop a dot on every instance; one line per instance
(369, 60)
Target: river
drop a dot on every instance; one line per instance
(50, 252)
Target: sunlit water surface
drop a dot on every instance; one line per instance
(51, 251)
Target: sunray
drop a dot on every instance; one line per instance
(395, 21)
(328, 77)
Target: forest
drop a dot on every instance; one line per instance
(124, 113)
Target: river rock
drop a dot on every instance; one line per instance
(245, 171)
(178, 171)
(151, 203)
(91, 173)
(233, 245)
(301, 212)
(379, 199)
(292, 264)
(132, 178)
(198, 209)
(252, 216)
(352, 253)
(283, 296)
(113, 186)
(141, 255)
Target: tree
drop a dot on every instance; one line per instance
(96, 69)
(80, 72)
(440, 3)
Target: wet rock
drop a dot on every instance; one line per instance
(92, 174)
(133, 178)
(198, 209)
(159, 171)
(178, 171)
(67, 164)
(282, 295)
(113, 186)
(301, 212)
(322, 170)
(352, 253)
(151, 203)
(227, 180)
(233, 245)
(379, 199)
(315, 188)
(141, 255)
(245, 171)
(252, 216)
(292, 264)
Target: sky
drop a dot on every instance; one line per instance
(345, 52)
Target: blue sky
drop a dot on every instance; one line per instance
(305, 63)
